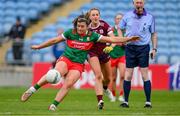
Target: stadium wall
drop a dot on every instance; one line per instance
(15, 76)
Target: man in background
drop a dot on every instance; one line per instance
(17, 34)
(138, 23)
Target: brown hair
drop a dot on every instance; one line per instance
(80, 18)
(94, 9)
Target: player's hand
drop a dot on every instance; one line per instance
(153, 54)
(35, 47)
(107, 49)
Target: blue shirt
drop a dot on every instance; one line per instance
(142, 26)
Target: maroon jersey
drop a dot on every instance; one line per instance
(97, 49)
(102, 29)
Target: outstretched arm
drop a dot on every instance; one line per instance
(48, 43)
(106, 39)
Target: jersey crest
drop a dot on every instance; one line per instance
(101, 31)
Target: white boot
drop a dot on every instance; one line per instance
(109, 94)
(52, 107)
(26, 95)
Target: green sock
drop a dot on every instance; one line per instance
(36, 86)
(55, 103)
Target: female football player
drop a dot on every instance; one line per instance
(98, 59)
(70, 65)
(117, 60)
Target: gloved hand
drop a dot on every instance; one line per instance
(107, 49)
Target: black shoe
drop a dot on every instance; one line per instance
(148, 106)
(124, 105)
(100, 105)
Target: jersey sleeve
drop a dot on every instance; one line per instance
(65, 35)
(109, 28)
(96, 36)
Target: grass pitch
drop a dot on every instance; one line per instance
(83, 102)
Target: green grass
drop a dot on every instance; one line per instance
(83, 102)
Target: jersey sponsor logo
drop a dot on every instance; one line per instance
(79, 45)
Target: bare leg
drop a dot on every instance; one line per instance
(144, 72)
(107, 73)
(121, 68)
(70, 80)
(61, 67)
(95, 65)
(112, 84)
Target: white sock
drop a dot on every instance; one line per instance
(32, 89)
(149, 103)
(126, 102)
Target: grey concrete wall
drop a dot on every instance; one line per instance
(15, 76)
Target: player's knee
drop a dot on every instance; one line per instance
(128, 77)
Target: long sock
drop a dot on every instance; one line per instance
(36, 86)
(147, 90)
(121, 93)
(127, 89)
(56, 103)
(114, 92)
(99, 97)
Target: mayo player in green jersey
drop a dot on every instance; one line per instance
(117, 61)
(70, 65)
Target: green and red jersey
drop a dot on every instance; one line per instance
(117, 51)
(78, 46)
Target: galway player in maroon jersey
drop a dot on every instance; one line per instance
(99, 60)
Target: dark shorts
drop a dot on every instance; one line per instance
(103, 57)
(137, 56)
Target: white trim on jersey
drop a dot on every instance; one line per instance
(90, 25)
(110, 32)
(100, 37)
(63, 36)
